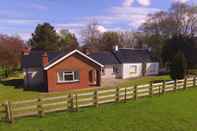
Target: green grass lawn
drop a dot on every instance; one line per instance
(144, 80)
(11, 88)
(170, 112)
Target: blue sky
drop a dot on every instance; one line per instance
(20, 17)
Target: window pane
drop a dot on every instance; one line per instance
(133, 69)
(60, 76)
(76, 75)
(68, 77)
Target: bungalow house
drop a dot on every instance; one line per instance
(60, 71)
(126, 63)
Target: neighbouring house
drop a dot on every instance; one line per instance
(126, 63)
(109, 61)
(60, 71)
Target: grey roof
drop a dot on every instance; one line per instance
(105, 58)
(34, 59)
(126, 55)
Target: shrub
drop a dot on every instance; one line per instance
(178, 66)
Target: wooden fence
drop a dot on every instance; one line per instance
(72, 101)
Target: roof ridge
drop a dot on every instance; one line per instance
(144, 49)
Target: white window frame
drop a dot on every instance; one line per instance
(130, 69)
(152, 68)
(73, 73)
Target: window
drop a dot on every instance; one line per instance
(152, 68)
(133, 69)
(115, 69)
(68, 76)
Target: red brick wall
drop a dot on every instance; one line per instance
(74, 62)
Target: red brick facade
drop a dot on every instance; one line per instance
(74, 62)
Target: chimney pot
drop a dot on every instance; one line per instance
(116, 48)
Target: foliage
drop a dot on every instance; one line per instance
(179, 43)
(95, 40)
(170, 112)
(68, 41)
(45, 38)
(178, 66)
(109, 40)
(10, 52)
(179, 20)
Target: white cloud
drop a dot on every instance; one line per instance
(180, 1)
(128, 2)
(144, 2)
(101, 28)
(39, 7)
(25, 36)
(19, 21)
(135, 16)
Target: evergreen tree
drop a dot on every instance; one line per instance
(68, 41)
(178, 66)
(45, 38)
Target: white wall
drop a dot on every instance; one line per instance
(108, 72)
(152, 68)
(128, 70)
(33, 77)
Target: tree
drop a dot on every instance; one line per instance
(179, 20)
(175, 44)
(178, 66)
(68, 41)
(91, 37)
(109, 40)
(45, 38)
(10, 52)
(131, 39)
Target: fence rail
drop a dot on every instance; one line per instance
(74, 100)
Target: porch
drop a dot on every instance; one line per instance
(94, 78)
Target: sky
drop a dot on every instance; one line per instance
(20, 17)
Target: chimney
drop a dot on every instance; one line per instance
(45, 59)
(116, 48)
(25, 51)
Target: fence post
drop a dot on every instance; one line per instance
(117, 94)
(163, 87)
(9, 113)
(70, 101)
(194, 81)
(175, 84)
(96, 98)
(40, 107)
(125, 95)
(135, 92)
(76, 102)
(151, 89)
(159, 90)
(185, 82)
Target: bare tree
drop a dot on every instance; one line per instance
(180, 19)
(91, 36)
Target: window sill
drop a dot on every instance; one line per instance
(64, 82)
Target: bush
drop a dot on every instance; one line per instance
(178, 66)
